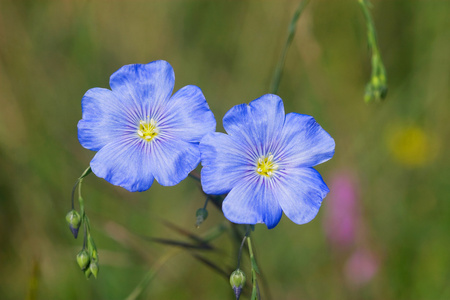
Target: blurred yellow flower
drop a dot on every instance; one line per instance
(411, 146)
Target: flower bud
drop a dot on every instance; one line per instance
(237, 281)
(201, 215)
(94, 254)
(83, 259)
(73, 218)
(94, 268)
(88, 273)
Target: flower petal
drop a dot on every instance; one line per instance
(172, 160)
(252, 201)
(268, 116)
(258, 124)
(300, 191)
(187, 115)
(224, 163)
(147, 86)
(105, 118)
(126, 163)
(304, 143)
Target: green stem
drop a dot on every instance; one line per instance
(80, 199)
(240, 251)
(78, 183)
(86, 172)
(254, 267)
(291, 32)
(377, 87)
(206, 202)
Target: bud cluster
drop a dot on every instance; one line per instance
(88, 259)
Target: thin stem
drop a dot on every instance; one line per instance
(85, 237)
(240, 251)
(206, 202)
(73, 193)
(291, 33)
(80, 199)
(377, 86)
(255, 289)
(86, 172)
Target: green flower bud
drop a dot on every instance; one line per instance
(83, 259)
(95, 254)
(237, 281)
(88, 273)
(94, 268)
(73, 218)
(201, 215)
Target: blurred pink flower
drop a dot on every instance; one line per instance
(361, 267)
(342, 211)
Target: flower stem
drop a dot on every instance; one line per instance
(206, 202)
(376, 89)
(240, 251)
(254, 267)
(291, 32)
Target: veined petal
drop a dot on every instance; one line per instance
(268, 116)
(126, 163)
(258, 124)
(172, 160)
(148, 86)
(299, 192)
(105, 117)
(187, 115)
(252, 201)
(304, 143)
(224, 162)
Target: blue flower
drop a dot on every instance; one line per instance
(265, 163)
(140, 131)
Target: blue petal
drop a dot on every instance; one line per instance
(105, 118)
(304, 143)
(258, 124)
(252, 201)
(172, 160)
(300, 191)
(187, 115)
(224, 162)
(268, 116)
(126, 163)
(147, 86)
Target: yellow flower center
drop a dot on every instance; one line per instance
(266, 166)
(147, 130)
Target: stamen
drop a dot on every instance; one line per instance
(148, 130)
(266, 166)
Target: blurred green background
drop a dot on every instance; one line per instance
(52, 52)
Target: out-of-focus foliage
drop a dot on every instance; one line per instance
(52, 52)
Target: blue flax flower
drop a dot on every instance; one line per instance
(265, 163)
(141, 131)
